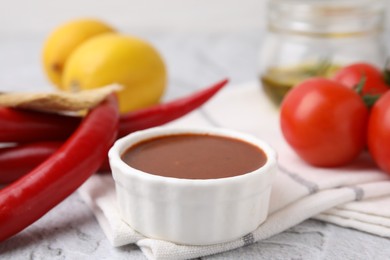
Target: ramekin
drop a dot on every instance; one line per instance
(192, 211)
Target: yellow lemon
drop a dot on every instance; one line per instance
(125, 60)
(64, 40)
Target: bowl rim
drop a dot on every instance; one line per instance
(127, 141)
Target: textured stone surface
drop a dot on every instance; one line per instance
(70, 230)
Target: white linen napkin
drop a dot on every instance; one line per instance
(355, 196)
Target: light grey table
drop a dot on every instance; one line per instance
(70, 231)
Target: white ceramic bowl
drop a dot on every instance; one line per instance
(192, 211)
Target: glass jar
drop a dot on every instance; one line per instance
(309, 38)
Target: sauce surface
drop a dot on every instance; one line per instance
(194, 156)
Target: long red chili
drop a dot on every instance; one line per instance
(25, 126)
(29, 198)
(28, 126)
(164, 113)
(17, 161)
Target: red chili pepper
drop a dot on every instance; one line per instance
(17, 161)
(164, 113)
(25, 126)
(30, 197)
(29, 126)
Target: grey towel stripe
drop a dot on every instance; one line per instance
(359, 192)
(248, 239)
(311, 186)
(208, 118)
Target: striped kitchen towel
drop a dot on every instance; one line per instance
(355, 196)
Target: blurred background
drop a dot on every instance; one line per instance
(40, 16)
(205, 28)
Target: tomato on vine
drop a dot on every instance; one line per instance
(352, 75)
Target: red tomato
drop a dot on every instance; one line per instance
(352, 74)
(324, 122)
(379, 132)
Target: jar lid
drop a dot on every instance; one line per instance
(329, 18)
